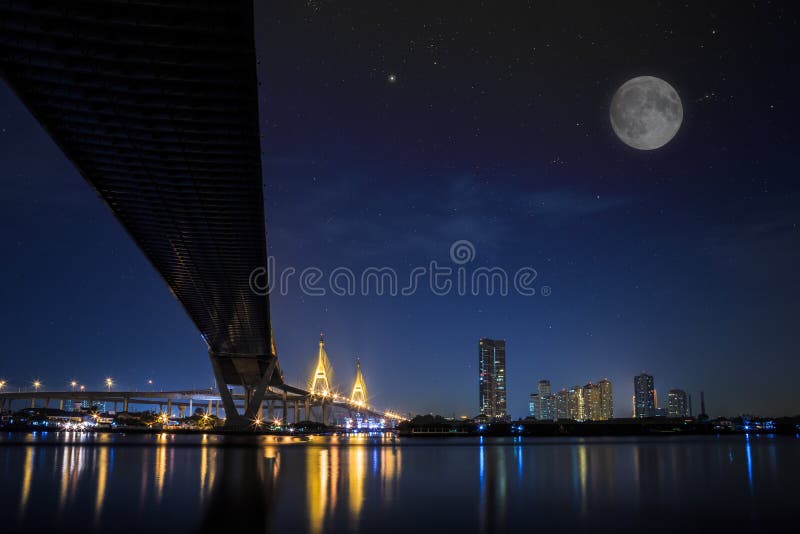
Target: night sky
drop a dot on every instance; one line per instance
(391, 130)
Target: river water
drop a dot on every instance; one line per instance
(181, 483)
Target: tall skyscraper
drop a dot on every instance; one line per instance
(591, 402)
(575, 403)
(492, 378)
(562, 404)
(533, 405)
(644, 396)
(678, 403)
(606, 400)
(546, 402)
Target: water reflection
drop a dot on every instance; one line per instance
(212, 483)
(356, 468)
(26, 481)
(242, 498)
(494, 487)
(102, 464)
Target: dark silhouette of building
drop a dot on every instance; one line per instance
(644, 396)
(702, 416)
(678, 403)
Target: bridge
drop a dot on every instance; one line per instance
(288, 404)
(155, 103)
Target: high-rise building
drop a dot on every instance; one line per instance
(644, 396)
(678, 403)
(562, 404)
(546, 402)
(492, 378)
(534, 406)
(591, 402)
(575, 403)
(542, 403)
(606, 400)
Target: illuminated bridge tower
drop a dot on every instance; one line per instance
(359, 395)
(320, 384)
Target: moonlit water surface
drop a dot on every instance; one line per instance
(178, 483)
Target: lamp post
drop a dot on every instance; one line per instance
(73, 384)
(109, 383)
(36, 385)
(2, 384)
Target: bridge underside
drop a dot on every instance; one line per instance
(155, 103)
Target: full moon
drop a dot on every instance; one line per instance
(646, 112)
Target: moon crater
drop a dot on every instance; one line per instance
(646, 112)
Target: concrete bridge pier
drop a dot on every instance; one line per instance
(210, 407)
(125, 404)
(182, 411)
(191, 411)
(285, 410)
(308, 409)
(296, 412)
(33, 402)
(61, 404)
(169, 407)
(325, 412)
(270, 410)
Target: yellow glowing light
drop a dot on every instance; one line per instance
(36, 385)
(276, 422)
(257, 422)
(2, 384)
(109, 383)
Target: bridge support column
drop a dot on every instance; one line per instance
(210, 410)
(191, 412)
(125, 404)
(285, 409)
(115, 406)
(325, 414)
(254, 393)
(169, 407)
(182, 411)
(270, 410)
(296, 412)
(261, 411)
(61, 404)
(33, 402)
(308, 409)
(47, 403)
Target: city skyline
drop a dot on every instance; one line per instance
(679, 261)
(250, 250)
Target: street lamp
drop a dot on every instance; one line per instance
(73, 384)
(36, 385)
(82, 388)
(2, 384)
(109, 383)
